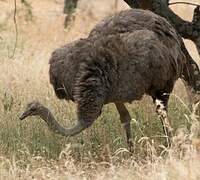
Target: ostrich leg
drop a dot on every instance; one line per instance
(161, 109)
(125, 120)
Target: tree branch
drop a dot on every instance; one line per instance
(196, 22)
(188, 3)
(132, 3)
(166, 1)
(188, 30)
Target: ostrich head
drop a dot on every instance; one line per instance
(32, 109)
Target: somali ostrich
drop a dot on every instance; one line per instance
(116, 68)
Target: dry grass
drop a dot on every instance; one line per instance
(29, 150)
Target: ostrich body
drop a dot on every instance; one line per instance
(133, 20)
(114, 68)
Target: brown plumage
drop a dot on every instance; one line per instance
(114, 67)
(132, 20)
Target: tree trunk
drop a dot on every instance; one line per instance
(69, 8)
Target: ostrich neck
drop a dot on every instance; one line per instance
(48, 117)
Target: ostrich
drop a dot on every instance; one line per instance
(114, 68)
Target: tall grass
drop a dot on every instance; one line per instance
(28, 149)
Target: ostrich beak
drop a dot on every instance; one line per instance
(24, 115)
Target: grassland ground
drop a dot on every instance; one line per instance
(29, 150)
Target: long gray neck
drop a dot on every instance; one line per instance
(47, 116)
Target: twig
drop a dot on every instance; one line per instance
(188, 3)
(16, 29)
